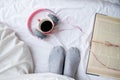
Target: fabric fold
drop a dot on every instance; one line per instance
(15, 57)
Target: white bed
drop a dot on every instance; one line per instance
(75, 12)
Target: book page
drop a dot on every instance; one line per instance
(105, 47)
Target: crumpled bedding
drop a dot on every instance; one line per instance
(15, 57)
(38, 76)
(75, 27)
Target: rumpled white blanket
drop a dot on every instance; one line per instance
(15, 57)
(40, 76)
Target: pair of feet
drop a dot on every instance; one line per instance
(64, 63)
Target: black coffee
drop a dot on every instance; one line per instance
(46, 26)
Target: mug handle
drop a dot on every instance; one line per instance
(39, 34)
(53, 18)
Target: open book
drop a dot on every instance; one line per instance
(104, 56)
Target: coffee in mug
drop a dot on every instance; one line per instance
(46, 26)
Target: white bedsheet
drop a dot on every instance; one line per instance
(76, 12)
(38, 76)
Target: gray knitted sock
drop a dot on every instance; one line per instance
(71, 62)
(56, 60)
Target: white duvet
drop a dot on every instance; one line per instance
(40, 76)
(15, 57)
(71, 12)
